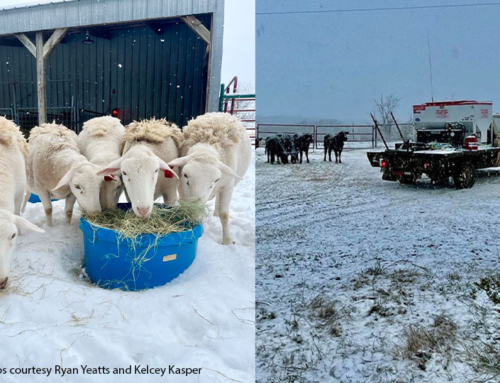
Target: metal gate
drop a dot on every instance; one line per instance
(359, 137)
(21, 97)
(241, 105)
(8, 113)
(27, 118)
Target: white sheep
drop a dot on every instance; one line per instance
(13, 150)
(147, 146)
(100, 141)
(57, 169)
(215, 155)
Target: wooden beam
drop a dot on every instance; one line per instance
(198, 28)
(27, 43)
(210, 57)
(53, 40)
(40, 75)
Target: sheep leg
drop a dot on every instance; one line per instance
(47, 204)
(170, 195)
(336, 157)
(224, 200)
(340, 156)
(70, 202)
(216, 206)
(324, 157)
(330, 154)
(18, 201)
(17, 209)
(126, 195)
(307, 155)
(25, 201)
(179, 190)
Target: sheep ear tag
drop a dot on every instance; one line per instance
(111, 177)
(169, 174)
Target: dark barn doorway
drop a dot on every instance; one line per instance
(137, 70)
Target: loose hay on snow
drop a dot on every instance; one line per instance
(162, 221)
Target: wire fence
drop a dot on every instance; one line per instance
(360, 136)
(27, 118)
(8, 113)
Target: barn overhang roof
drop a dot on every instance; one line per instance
(85, 13)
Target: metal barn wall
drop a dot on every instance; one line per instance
(85, 13)
(142, 73)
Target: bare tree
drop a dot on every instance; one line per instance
(384, 107)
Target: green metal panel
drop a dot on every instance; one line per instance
(227, 96)
(139, 70)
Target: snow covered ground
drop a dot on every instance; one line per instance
(205, 318)
(364, 280)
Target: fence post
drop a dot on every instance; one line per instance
(221, 99)
(315, 132)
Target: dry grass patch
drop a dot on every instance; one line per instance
(421, 342)
(491, 286)
(328, 315)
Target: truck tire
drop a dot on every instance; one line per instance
(466, 177)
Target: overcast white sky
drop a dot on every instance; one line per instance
(239, 37)
(239, 41)
(351, 54)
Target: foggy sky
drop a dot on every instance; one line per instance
(333, 65)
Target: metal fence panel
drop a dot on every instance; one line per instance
(27, 118)
(8, 113)
(359, 137)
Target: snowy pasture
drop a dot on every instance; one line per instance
(364, 280)
(51, 315)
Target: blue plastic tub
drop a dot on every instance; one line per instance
(111, 262)
(34, 198)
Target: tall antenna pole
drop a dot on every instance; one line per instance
(430, 65)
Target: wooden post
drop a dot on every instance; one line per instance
(42, 52)
(41, 81)
(209, 72)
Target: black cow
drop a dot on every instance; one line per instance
(302, 144)
(289, 142)
(276, 149)
(335, 143)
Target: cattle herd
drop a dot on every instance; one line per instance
(284, 148)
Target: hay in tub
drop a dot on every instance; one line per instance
(162, 221)
(130, 230)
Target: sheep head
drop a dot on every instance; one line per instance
(201, 177)
(10, 225)
(85, 185)
(139, 171)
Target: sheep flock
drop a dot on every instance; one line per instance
(146, 159)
